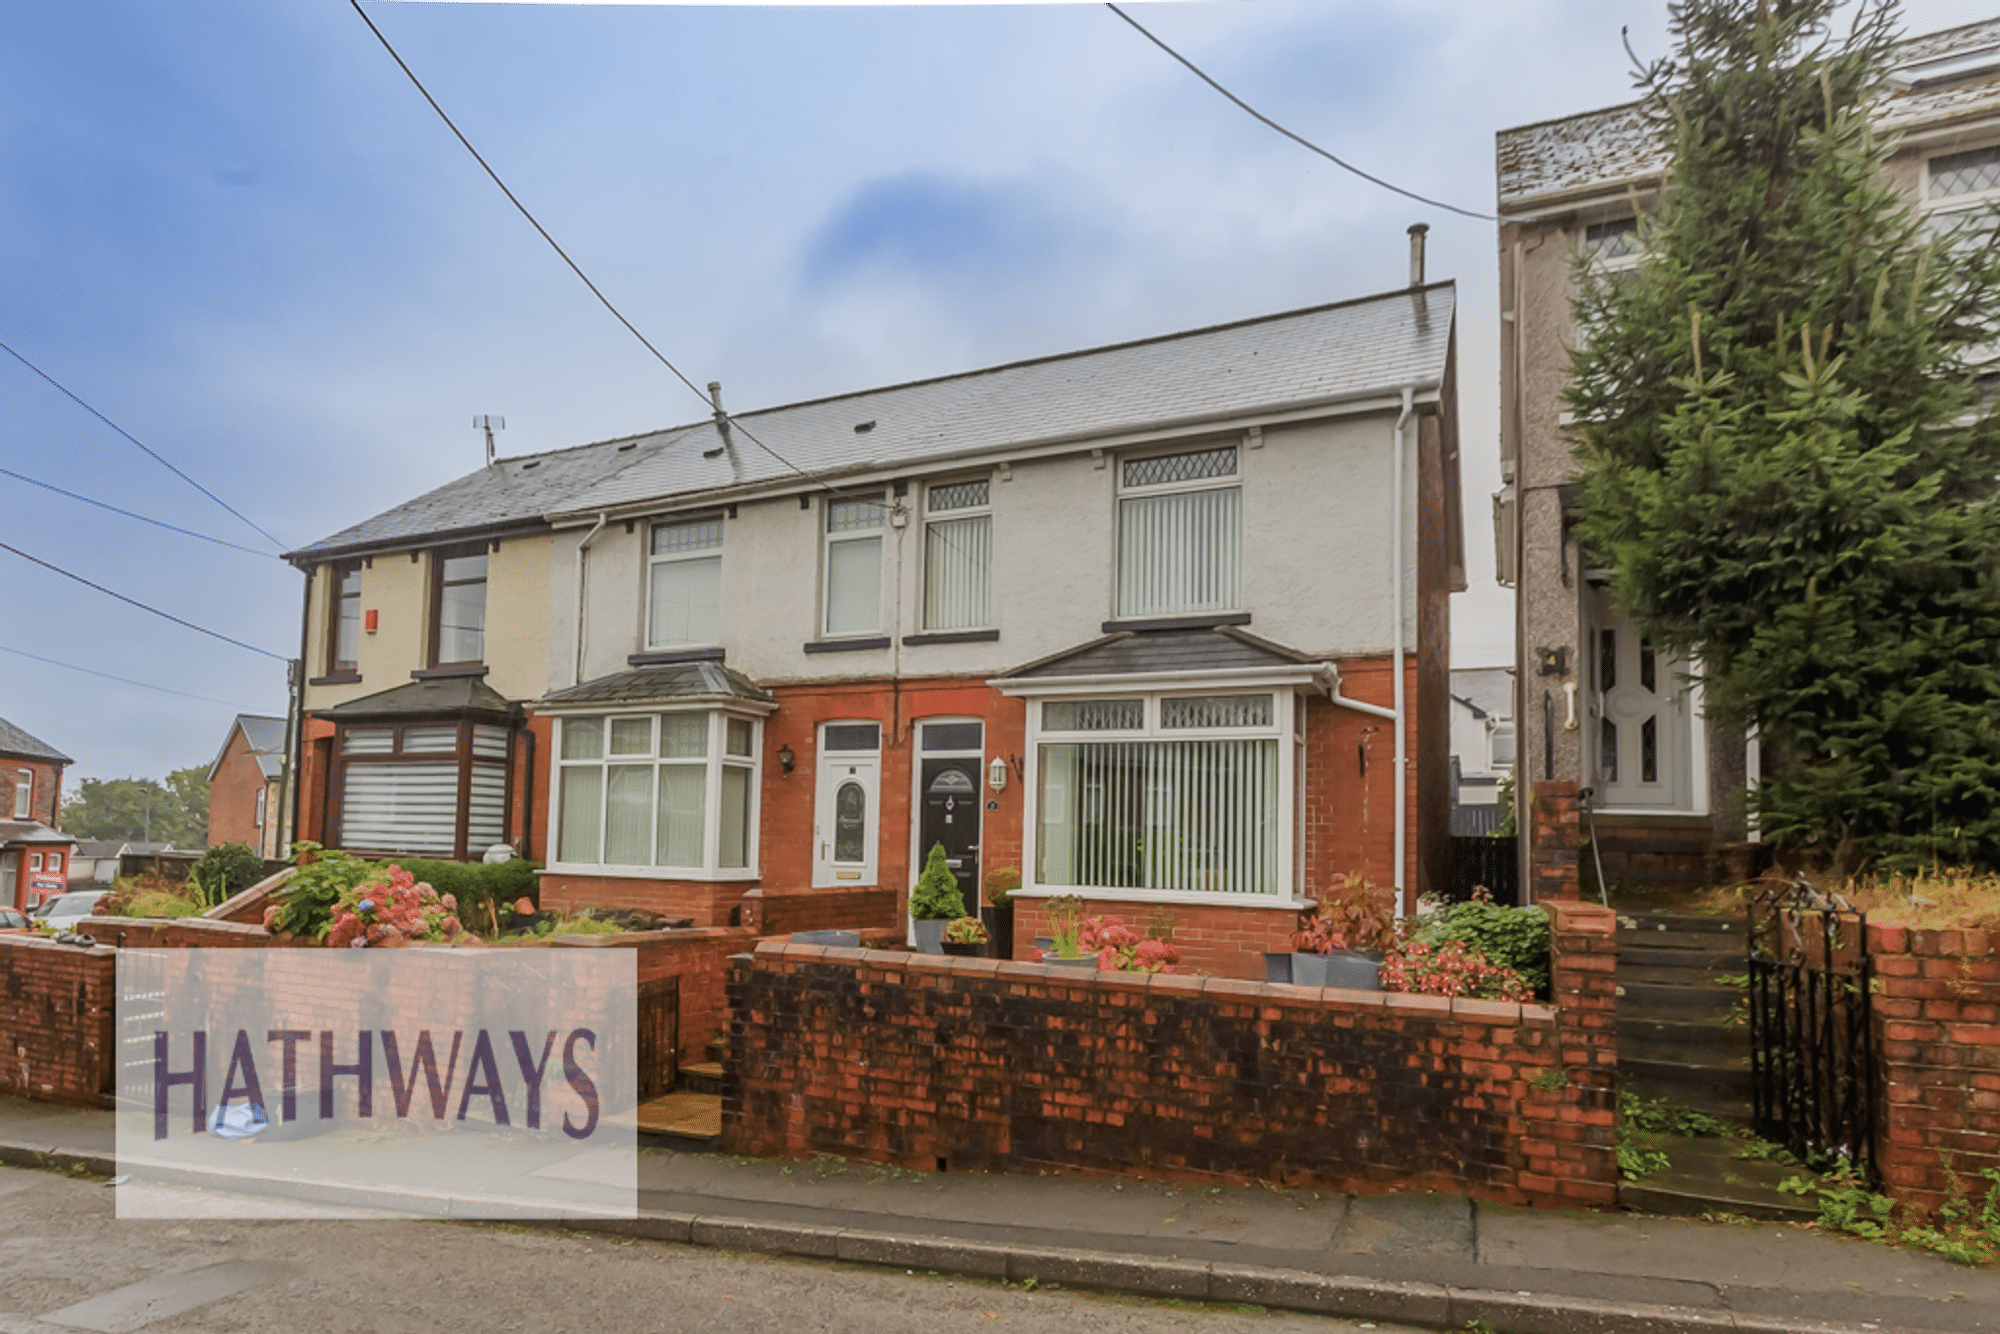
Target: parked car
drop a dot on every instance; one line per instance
(12, 921)
(64, 911)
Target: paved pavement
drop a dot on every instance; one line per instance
(1428, 1260)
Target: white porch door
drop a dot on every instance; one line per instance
(847, 806)
(1640, 749)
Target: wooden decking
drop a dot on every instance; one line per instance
(683, 1116)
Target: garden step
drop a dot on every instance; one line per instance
(1723, 1052)
(702, 1077)
(681, 1121)
(717, 1048)
(1671, 975)
(1707, 1177)
(1688, 1001)
(1702, 944)
(1688, 1086)
(1674, 1026)
(1702, 965)
(1678, 923)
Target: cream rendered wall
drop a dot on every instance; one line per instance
(1315, 560)
(398, 590)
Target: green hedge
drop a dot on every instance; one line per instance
(1516, 938)
(308, 897)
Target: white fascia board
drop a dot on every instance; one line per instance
(1321, 674)
(1945, 130)
(1578, 198)
(1339, 405)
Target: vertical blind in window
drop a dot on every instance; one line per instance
(686, 597)
(1179, 553)
(853, 566)
(958, 558)
(635, 791)
(1194, 816)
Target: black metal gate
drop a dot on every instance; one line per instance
(1812, 1058)
(1484, 860)
(659, 1035)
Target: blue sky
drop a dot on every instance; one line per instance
(234, 228)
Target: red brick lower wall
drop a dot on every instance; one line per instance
(1221, 939)
(699, 958)
(185, 933)
(1936, 1018)
(779, 913)
(708, 902)
(55, 1020)
(935, 1062)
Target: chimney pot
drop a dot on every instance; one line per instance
(1417, 233)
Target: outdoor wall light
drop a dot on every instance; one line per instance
(786, 760)
(996, 774)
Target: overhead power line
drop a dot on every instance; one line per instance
(574, 267)
(187, 532)
(1297, 139)
(141, 444)
(134, 602)
(126, 680)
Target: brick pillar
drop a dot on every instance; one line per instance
(1583, 966)
(1556, 837)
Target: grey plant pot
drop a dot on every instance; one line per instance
(1088, 961)
(1349, 972)
(1277, 967)
(930, 934)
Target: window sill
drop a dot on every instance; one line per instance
(673, 657)
(650, 873)
(451, 672)
(954, 637)
(1269, 902)
(336, 679)
(847, 645)
(1208, 622)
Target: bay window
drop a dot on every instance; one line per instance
(1180, 534)
(684, 569)
(670, 791)
(1165, 794)
(958, 555)
(854, 565)
(431, 789)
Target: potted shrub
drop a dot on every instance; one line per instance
(934, 901)
(1065, 919)
(1121, 948)
(1341, 944)
(965, 936)
(998, 913)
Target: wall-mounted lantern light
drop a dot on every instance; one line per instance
(996, 774)
(786, 760)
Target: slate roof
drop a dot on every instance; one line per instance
(450, 694)
(17, 744)
(1139, 652)
(1489, 690)
(1324, 353)
(266, 737)
(678, 683)
(30, 831)
(1603, 150)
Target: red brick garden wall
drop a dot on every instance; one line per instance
(700, 958)
(708, 902)
(778, 913)
(1936, 1018)
(55, 1022)
(972, 1064)
(1221, 939)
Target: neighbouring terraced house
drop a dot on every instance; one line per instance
(1595, 703)
(1126, 619)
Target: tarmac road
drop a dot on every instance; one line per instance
(67, 1264)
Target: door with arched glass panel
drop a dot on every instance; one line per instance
(846, 814)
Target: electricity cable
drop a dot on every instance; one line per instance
(212, 634)
(187, 532)
(1297, 139)
(141, 444)
(574, 267)
(125, 680)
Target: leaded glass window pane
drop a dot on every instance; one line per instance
(1216, 711)
(960, 495)
(1965, 173)
(1093, 715)
(583, 738)
(1189, 467)
(683, 736)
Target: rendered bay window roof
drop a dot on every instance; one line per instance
(1599, 151)
(16, 744)
(457, 695)
(680, 683)
(1130, 653)
(1269, 366)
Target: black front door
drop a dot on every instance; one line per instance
(951, 817)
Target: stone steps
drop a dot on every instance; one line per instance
(1706, 1176)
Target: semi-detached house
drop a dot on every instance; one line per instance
(1126, 620)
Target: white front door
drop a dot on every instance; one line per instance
(847, 804)
(1640, 746)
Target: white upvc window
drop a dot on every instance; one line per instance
(684, 583)
(24, 794)
(854, 565)
(958, 555)
(670, 792)
(1180, 534)
(1500, 744)
(1159, 796)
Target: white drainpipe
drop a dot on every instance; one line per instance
(1396, 595)
(582, 564)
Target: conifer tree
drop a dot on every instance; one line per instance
(1787, 460)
